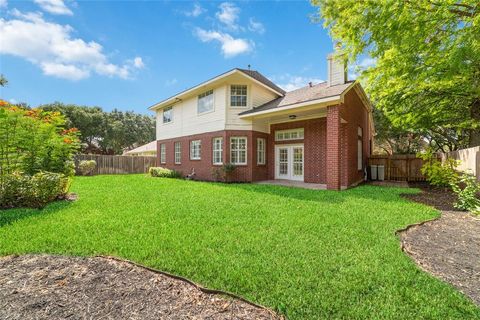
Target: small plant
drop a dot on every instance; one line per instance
(86, 167)
(467, 189)
(438, 173)
(228, 169)
(164, 173)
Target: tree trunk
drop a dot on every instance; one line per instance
(475, 133)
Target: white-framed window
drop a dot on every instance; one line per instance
(261, 147)
(238, 150)
(218, 150)
(238, 95)
(195, 149)
(167, 114)
(163, 153)
(205, 102)
(291, 134)
(360, 149)
(178, 152)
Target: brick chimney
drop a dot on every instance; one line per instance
(337, 67)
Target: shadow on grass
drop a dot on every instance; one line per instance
(9, 216)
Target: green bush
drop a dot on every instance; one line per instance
(467, 189)
(438, 173)
(164, 173)
(224, 173)
(23, 190)
(86, 167)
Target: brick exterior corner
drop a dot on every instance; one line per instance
(334, 135)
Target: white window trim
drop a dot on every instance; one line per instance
(264, 142)
(246, 150)
(298, 130)
(199, 151)
(217, 150)
(360, 150)
(163, 153)
(209, 111)
(230, 96)
(177, 152)
(163, 110)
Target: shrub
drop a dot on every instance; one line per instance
(467, 189)
(164, 172)
(23, 190)
(437, 173)
(86, 167)
(224, 172)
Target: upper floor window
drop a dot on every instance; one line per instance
(163, 153)
(238, 150)
(178, 152)
(195, 149)
(218, 150)
(292, 134)
(205, 102)
(261, 146)
(167, 114)
(238, 95)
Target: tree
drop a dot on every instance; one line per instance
(107, 132)
(3, 81)
(427, 72)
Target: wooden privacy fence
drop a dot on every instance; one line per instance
(399, 167)
(107, 164)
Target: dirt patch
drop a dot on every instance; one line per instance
(448, 248)
(442, 199)
(58, 287)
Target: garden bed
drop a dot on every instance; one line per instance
(59, 287)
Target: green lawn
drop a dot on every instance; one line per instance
(308, 254)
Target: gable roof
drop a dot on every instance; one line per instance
(252, 74)
(149, 147)
(302, 95)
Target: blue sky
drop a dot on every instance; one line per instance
(130, 55)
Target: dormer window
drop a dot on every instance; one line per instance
(238, 95)
(167, 114)
(205, 102)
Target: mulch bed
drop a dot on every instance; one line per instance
(447, 247)
(59, 287)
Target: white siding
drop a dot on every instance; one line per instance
(187, 122)
(336, 71)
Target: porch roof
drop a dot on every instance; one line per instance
(310, 94)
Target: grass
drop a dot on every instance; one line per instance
(308, 254)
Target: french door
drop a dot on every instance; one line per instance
(289, 162)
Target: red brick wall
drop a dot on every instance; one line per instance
(204, 167)
(334, 148)
(354, 112)
(314, 148)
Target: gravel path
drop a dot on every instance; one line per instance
(58, 287)
(448, 248)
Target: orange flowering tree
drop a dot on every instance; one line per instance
(33, 140)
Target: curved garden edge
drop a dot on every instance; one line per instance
(447, 248)
(58, 286)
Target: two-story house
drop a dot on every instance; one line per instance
(321, 133)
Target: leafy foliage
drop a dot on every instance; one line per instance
(438, 173)
(35, 140)
(164, 172)
(86, 167)
(106, 132)
(224, 173)
(426, 76)
(467, 189)
(21, 190)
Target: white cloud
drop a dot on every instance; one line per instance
(290, 82)
(195, 12)
(3, 3)
(13, 101)
(171, 82)
(256, 26)
(228, 15)
(51, 47)
(54, 7)
(230, 46)
(356, 69)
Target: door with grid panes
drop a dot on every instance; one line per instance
(289, 162)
